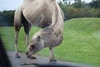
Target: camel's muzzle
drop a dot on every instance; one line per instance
(28, 56)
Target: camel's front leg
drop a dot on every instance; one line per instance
(52, 59)
(27, 39)
(16, 42)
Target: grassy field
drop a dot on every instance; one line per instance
(81, 42)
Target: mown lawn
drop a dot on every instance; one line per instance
(81, 42)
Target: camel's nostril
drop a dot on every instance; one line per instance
(26, 53)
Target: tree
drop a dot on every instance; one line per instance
(95, 3)
(7, 18)
(78, 3)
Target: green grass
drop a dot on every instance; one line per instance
(81, 42)
(7, 34)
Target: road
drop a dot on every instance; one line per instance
(25, 62)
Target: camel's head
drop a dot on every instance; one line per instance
(36, 45)
(39, 41)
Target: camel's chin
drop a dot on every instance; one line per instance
(31, 57)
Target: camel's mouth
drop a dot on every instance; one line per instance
(28, 54)
(31, 57)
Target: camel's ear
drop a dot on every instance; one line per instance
(38, 38)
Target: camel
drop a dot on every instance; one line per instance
(45, 14)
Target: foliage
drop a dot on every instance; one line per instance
(95, 4)
(79, 9)
(7, 18)
(81, 42)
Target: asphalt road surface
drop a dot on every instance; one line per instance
(25, 62)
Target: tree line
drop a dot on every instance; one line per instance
(78, 9)
(7, 18)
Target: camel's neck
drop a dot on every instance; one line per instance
(58, 27)
(57, 22)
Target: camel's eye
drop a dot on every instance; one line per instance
(33, 46)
